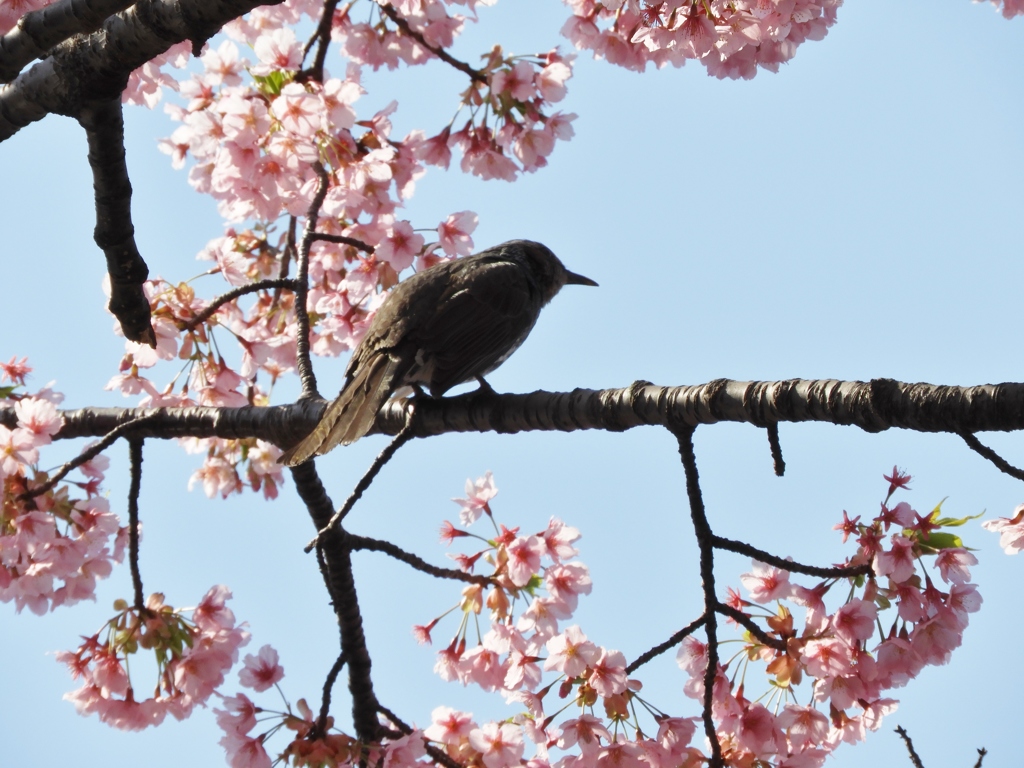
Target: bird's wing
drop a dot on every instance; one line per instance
(477, 324)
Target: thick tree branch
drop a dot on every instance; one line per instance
(103, 122)
(39, 31)
(97, 67)
(918, 407)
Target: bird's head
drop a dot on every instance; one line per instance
(546, 269)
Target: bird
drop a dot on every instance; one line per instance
(440, 327)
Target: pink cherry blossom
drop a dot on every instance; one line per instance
(570, 652)
(478, 496)
(766, 582)
(500, 746)
(449, 726)
(262, 671)
(898, 562)
(1010, 530)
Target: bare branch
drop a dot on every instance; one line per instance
(242, 290)
(87, 455)
(1001, 464)
(776, 448)
(322, 39)
(914, 759)
(741, 618)
(743, 548)
(376, 545)
(325, 701)
(135, 468)
(39, 31)
(344, 240)
(441, 53)
(981, 756)
(382, 458)
(115, 234)
(336, 565)
(705, 541)
(305, 367)
(660, 648)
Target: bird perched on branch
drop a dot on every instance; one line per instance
(443, 326)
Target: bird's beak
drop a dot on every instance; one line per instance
(571, 278)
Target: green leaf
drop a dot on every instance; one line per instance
(949, 522)
(6, 392)
(271, 85)
(939, 541)
(533, 585)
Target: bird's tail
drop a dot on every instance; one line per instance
(352, 414)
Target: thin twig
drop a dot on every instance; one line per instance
(344, 240)
(303, 364)
(910, 747)
(776, 448)
(382, 458)
(441, 53)
(742, 618)
(660, 648)
(743, 548)
(320, 729)
(87, 455)
(231, 295)
(1001, 464)
(376, 545)
(705, 541)
(135, 468)
(981, 756)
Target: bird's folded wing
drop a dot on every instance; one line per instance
(352, 413)
(478, 324)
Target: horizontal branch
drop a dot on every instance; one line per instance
(873, 406)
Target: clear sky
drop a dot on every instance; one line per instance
(857, 215)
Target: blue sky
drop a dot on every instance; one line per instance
(857, 215)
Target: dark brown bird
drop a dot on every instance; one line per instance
(443, 326)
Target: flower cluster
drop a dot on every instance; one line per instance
(731, 38)
(879, 638)
(54, 545)
(192, 657)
